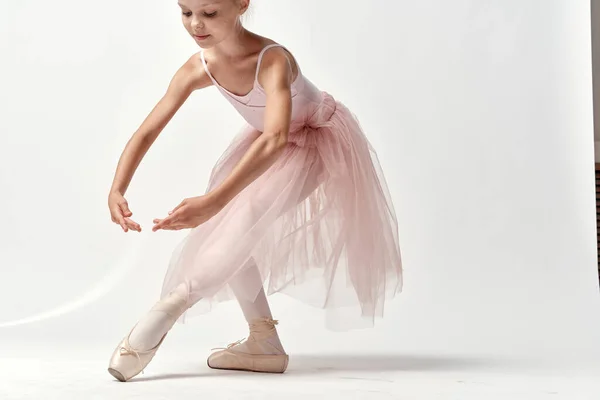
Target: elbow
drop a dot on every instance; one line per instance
(276, 141)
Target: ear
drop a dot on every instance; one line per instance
(244, 5)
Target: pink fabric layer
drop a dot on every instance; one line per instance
(319, 224)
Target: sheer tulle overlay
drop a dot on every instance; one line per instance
(319, 225)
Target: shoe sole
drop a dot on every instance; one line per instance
(117, 374)
(264, 371)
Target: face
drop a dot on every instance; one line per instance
(211, 21)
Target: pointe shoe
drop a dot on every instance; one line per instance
(127, 362)
(253, 358)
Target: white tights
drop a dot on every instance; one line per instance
(160, 319)
(259, 308)
(150, 330)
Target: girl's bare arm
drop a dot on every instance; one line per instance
(276, 78)
(190, 77)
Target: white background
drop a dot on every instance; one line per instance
(481, 113)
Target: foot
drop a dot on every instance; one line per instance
(129, 360)
(261, 352)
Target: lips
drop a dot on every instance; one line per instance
(201, 37)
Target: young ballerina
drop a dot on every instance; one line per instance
(298, 200)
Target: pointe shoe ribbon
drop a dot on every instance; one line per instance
(252, 358)
(229, 346)
(125, 351)
(122, 367)
(253, 331)
(263, 321)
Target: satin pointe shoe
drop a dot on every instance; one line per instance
(253, 357)
(127, 362)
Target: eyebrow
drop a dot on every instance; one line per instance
(204, 5)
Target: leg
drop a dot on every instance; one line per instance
(138, 348)
(254, 311)
(159, 320)
(263, 351)
(259, 308)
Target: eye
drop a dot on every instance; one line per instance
(187, 13)
(210, 15)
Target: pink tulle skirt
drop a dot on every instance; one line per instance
(319, 225)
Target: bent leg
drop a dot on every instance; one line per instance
(259, 308)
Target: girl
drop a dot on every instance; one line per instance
(298, 198)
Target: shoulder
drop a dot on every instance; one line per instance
(194, 62)
(276, 67)
(274, 55)
(193, 74)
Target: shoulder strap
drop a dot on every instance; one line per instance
(206, 68)
(262, 53)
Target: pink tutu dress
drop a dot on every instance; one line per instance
(318, 225)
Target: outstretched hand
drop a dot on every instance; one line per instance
(120, 213)
(189, 214)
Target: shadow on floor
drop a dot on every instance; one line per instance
(319, 363)
(306, 364)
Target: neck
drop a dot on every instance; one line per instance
(236, 46)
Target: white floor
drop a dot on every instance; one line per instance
(53, 373)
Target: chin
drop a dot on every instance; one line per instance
(205, 44)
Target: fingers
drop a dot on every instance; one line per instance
(121, 221)
(125, 208)
(174, 227)
(125, 223)
(176, 219)
(183, 203)
(133, 225)
(163, 224)
(117, 218)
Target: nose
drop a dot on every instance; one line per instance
(197, 25)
